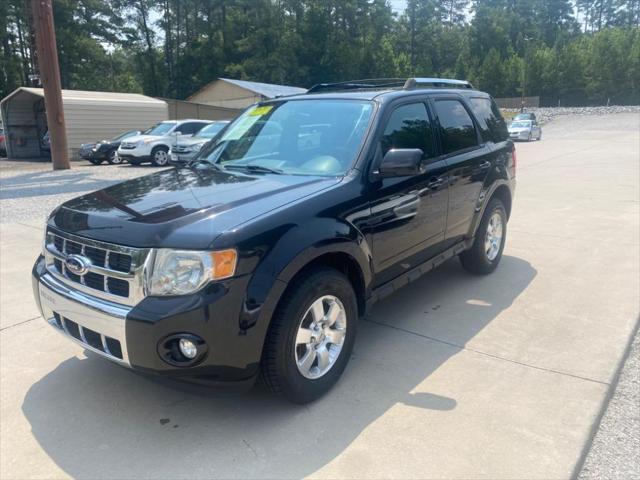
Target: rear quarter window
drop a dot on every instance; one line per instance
(492, 126)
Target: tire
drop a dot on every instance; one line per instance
(483, 257)
(529, 138)
(113, 158)
(286, 351)
(95, 161)
(160, 156)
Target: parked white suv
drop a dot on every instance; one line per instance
(154, 144)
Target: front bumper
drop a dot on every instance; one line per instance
(522, 135)
(130, 335)
(183, 156)
(92, 155)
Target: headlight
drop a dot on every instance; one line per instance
(196, 147)
(180, 272)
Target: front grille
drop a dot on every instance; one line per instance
(180, 149)
(107, 345)
(112, 269)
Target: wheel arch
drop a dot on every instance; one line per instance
(343, 262)
(500, 190)
(503, 193)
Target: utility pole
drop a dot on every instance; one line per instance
(50, 77)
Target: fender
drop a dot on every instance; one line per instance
(297, 248)
(483, 201)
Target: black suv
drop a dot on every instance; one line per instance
(259, 256)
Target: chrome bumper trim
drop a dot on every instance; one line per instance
(105, 318)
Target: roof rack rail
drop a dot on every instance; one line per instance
(366, 83)
(404, 83)
(418, 82)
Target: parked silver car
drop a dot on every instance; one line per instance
(186, 149)
(525, 130)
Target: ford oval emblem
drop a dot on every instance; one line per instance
(77, 264)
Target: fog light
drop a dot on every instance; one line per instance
(188, 348)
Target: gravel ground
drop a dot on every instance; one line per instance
(615, 451)
(545, 115)
(29, 191)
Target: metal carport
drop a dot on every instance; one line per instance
(90, 117)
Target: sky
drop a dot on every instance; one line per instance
(398, 6)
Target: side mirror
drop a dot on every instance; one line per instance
(401, 162)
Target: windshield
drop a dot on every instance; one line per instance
(160, 128)
(124, 135)
(520, 124)
(523, 116)
(210, 131)
(299, 137)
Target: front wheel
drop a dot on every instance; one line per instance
(311, 336)
(114, 158)
(160, 156)
(484, 255)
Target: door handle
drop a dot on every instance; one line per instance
(485, 165)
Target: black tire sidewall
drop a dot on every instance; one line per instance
(294, 385)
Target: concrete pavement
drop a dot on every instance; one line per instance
(455, 376)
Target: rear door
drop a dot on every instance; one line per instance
(468, 158)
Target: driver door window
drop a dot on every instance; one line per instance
(409, 127)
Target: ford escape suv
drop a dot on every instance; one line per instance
(258, 257)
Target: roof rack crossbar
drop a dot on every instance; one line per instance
(417, 82)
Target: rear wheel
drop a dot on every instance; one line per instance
(485, 254)
(311, 336)
(160, 156)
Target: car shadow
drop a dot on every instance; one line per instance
(95, 419)
(37, 184)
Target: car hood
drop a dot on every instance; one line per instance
(182, 207)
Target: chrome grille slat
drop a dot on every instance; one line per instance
(130, 283)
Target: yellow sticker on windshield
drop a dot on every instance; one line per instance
(258, 111)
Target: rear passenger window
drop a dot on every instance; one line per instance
(456, 126)
(492, 125)
(409, 127)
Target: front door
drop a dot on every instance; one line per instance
(408, 214)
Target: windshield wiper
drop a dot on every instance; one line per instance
(256, 168)
(199, 161)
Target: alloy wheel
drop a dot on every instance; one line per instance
(320, 336)
(493, 237)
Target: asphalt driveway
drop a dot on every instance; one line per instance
(455, 376)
